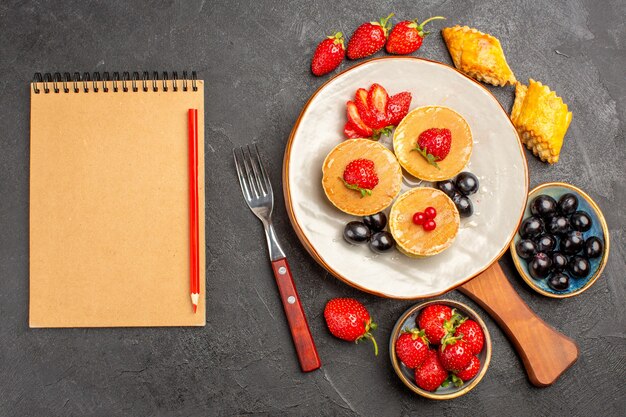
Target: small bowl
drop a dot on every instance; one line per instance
(407, 321)
(598, 228)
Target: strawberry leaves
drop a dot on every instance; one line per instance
(385, 131)
(430, 158)
(364, 191)
(434, 145)
(452, 379)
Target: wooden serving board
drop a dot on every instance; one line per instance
(545, 352)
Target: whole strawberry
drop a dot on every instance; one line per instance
(412, 348)
(328, 54)
(434, 144)
(368, 38)
(470, 371)
(360, 175)
(406, 37)
(431, 320)
(347, 319)
(454, 354)
(431, 374)
(472, 334)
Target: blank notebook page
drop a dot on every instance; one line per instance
(109, 207)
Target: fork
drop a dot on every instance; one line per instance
(257, 191)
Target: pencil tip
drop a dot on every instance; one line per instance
(195, 308)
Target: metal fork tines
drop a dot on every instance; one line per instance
(257, 191)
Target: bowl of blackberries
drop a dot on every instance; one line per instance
(562, 244)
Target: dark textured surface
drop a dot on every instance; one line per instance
(255, 58)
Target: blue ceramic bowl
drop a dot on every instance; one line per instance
(598, 228)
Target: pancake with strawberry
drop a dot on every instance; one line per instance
(361, 177)
(433, 143)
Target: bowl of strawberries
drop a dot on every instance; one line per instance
(440, 349)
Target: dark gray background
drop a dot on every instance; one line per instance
(255, 57)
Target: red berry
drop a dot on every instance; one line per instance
(368, 38)
(419, 218)
(431, 320)
(431, 374)
(430, 213)
(455, 354)
(406, 37)
(360, 175)
(349, 320)
(434, 144)
(412, 348)
(472, 335)
(430, 225)
(398, 107)
(470, 371)
(328, 54)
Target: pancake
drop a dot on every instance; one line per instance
(351, 201)
(424, 118)
(411, 239)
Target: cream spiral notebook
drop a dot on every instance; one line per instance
(109, 200)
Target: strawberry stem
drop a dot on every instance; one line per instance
(369, 336)
(420, 26)
(384, 21)
(449, 339)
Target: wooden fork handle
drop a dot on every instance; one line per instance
(545, 352)
(300, 332)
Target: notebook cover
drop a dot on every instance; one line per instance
(109, 208)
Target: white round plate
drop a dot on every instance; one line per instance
(497, 159)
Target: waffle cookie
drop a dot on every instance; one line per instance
(541, 119)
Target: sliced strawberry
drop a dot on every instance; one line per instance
(360, 127)
(377, 99)
(360, 99)
(398, 107)
(350, 131)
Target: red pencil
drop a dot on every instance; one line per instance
(194, 264)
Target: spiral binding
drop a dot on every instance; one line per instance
(98, 82)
